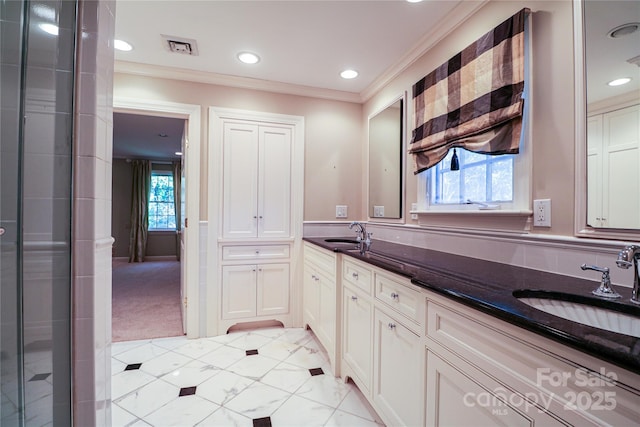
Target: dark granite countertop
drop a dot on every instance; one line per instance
(489, 287)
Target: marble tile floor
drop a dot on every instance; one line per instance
(264, 377)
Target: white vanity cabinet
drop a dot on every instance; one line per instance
(357, 320)
(484, 371)
(320, 298)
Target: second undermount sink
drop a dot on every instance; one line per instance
(583, 310)
(351, 241)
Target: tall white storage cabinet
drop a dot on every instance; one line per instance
(255, 218)
(613, 142)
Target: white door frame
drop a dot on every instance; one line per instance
(191, 157)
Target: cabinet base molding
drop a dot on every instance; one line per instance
(234, 325)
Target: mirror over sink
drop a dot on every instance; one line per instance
(608, 119)
(386, 162)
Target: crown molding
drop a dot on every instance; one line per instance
(135, 68)
(463, 11)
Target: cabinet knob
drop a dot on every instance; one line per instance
(260, 217)
(313, 276)
(354, 298)
(355, 274)
(394, 295)
(254, 217)
(391, 326)
(257, 252)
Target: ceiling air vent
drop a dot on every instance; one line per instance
(180, 45)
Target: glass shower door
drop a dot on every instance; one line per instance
(11, 19)
(37, 72)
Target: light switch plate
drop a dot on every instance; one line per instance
(341, 211)
(378, 211)
(414, 207)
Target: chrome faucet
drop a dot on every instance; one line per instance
(604, 290)
(361, 232)
(628, 257)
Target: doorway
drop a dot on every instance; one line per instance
(146, 280)
(188, 243)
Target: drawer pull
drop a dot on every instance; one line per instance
(355, 274)
(391, 326)
(354, 298)
(394, 295)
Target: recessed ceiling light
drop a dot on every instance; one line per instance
(178, 153)
(248, 58)
(49, 28)
(349, 74)
(619, 82)
(122, 45)
(414, 1)
(163, 135)
(624, 30)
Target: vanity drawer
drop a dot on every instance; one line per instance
(239, 253)
(356, 274)
(321, 258)
(400, 297)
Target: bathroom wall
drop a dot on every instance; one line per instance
(552, 98)
(332, 141)
(159, 243)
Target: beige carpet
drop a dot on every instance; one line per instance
(145, 300)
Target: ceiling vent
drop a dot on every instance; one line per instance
(180, 45)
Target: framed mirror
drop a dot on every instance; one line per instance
(607, 35)
(386, 165)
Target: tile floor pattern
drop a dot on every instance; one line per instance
(265, 377)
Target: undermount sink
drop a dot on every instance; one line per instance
(352, 241)
(583, 310)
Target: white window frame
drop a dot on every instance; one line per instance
(164, 173)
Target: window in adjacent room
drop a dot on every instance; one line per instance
(162, 210)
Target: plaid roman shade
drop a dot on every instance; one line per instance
(474, 100)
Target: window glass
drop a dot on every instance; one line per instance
(481, 178)
(162, 214)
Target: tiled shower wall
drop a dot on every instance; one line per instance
(92, 225)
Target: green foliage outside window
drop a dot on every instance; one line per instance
(162, 209)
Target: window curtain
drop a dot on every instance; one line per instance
(177, 201)
(474, 100)
(141, 186)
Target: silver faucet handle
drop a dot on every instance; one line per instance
(604, 290)
(603, 270)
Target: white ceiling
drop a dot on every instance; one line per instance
(304, 43)
(139, 137)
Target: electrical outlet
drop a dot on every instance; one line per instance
(414, 207)
(378, 211)
(341, 211)
(542, 213)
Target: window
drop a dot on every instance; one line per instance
(162, 209)
(481, 178)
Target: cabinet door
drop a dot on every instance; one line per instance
(326, 329)
(272, 289)
(398, 375)
(240, 180)
(238, 291)
(274, 192)
(621, 156)
(310, 296)
(357, 334)
(466, 397)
